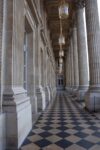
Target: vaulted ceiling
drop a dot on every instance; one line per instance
(54, 22)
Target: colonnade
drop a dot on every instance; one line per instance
(28, 68)
(86, 54)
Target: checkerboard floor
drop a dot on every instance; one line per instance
(64, 126)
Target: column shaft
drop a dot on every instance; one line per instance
(75, 59)
(67, 71)
(93, 35)
(1, 28)
(70, 67)
(72, 64)
(82, 54)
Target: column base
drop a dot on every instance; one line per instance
(81, 92)
(74, 92)
(18, 125)
(92, 100)
(41, 99)
(69, 89)
(34, 105)
(51, 93)
(35, 113)
(75, 88)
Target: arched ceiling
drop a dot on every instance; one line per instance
(51, 7)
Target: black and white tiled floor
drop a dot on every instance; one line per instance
(64, 126)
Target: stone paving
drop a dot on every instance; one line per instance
(64, 126)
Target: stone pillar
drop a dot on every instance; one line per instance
(30, 67)
(48, 73)
(93, 36)
(82, 54)
(36, 50)
(41, 100)
(72, 64)
(54, 79)
(47, 90)
(71, 69)
(37, 75)
(68, 70)
(1, 28)
(75, 59)
(50, 70)
(15, 101)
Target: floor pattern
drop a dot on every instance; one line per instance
(64, 126)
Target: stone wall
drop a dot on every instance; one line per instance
(23, 20)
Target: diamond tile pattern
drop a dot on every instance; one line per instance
(64, 126)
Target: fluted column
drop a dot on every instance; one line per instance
(67, 70)
(1, 27)
(93, 35)
(72, 65)
(47, 90)
(75, 59)
(82, 54)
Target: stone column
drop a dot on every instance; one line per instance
(30, 67)
(54, 79)
(15, 101)
(41, 101)
(1, 28)
(71, 69)
(82, 54)
(75, 59)
(69, 74)
(67, 71)
(48, 72)
(37, 75)
(47, 90)
(36, 68)
(93, 35)
(50, 76)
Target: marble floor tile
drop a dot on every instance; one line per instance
(64, 125)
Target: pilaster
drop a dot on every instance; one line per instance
(16, 103)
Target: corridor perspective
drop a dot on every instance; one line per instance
(65, 125)
(50, 74)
